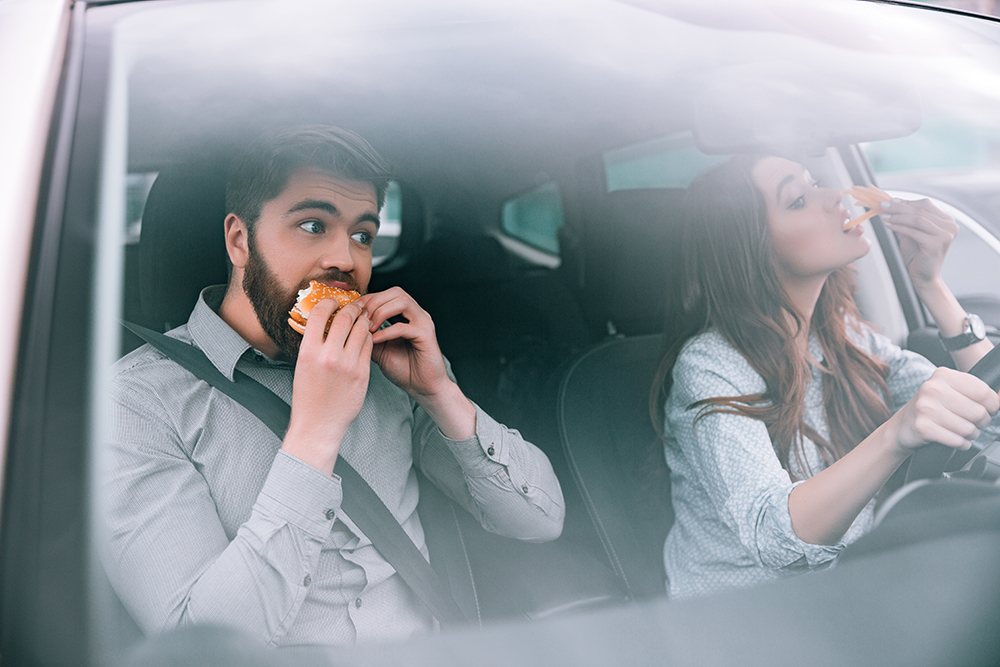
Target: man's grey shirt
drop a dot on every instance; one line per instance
(210, 522)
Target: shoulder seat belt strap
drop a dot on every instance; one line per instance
(360, 501)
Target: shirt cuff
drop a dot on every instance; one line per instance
(301, 495)
(794, 553)
(486, 452)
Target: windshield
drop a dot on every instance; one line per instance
(518, 134)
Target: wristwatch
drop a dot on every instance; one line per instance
(973, 331)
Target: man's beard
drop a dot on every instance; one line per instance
(272, 303)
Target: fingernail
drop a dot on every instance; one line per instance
(885, 216)
(886, 204)
(896, 200)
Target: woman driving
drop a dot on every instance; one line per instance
(783, 413)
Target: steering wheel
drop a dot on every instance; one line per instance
(930, 461)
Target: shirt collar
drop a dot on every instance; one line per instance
(219, 341)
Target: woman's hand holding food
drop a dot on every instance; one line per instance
(925, 232)
(925, 235)
(331, 381)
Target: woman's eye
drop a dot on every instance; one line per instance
(798, 203)
(364, 238)
(312, 226)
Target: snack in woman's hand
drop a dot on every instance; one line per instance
(868, 196)
(312, 295)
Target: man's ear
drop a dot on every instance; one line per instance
(237, 240)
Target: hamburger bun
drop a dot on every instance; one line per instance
(313, 294)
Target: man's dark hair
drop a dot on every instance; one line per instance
(262, 171)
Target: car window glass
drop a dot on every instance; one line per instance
(390, 224)
(175, 94)
(667, 162)
(535, 217)
(972, 266)
(969, 250)
(954, 159)
(947, 139)
(136, 191)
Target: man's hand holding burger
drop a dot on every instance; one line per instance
(331, 381)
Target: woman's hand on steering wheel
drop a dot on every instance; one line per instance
(950, 408)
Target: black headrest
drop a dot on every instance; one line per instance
(459, 258)
(181, 246)
(634, 258)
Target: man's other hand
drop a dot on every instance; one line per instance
(408, 354)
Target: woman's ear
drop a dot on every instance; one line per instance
(237, 240)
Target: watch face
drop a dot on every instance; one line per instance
(977, 326)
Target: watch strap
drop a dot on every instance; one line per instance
(968, 337)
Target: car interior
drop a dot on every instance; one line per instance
(566, 358)
(504, 345)
(558, 338)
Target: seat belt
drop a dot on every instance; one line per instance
(360, 502)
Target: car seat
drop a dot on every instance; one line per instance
(617, 459)
(626, 261)
(181, 247)
(631, 273)
(505, 330)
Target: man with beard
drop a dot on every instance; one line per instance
(212, 518)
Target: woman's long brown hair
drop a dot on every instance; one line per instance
(729, 283)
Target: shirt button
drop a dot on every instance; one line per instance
(329, 514)
(357, 603)
(524, 487)
(258, 357)
(491, 451)
(308, 580)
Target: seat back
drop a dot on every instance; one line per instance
(630, 260)
(616, 458)
(504, 330)
(181, 245)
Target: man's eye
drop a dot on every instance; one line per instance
(798, 203)
(364, 238)
(312, 226)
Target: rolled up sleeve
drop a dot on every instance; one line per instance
(732, 459)
(504, 481)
